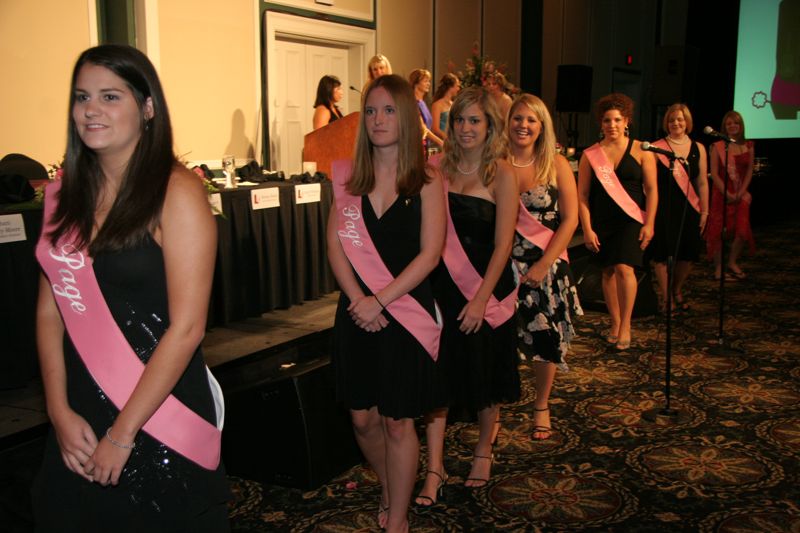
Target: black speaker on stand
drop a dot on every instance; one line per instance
(573, 96)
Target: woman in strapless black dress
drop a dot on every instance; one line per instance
(480, 358)
(610, 232)
(144, 220)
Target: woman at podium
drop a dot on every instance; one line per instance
(329, 93)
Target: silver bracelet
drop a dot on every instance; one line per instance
(130, 446)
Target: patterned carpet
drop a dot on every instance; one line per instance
(727, 463)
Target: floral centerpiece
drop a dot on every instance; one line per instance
(478, 68)
(203, 173)
(54, 172)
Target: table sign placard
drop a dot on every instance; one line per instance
(215, 200)
(307, 193)
(12, 228)
(265, 198)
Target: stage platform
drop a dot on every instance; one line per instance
(22, 410)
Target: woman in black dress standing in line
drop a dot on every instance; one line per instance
(134, 444)
(476, 285)
(616, 181)
(683, 206)
(385, 235)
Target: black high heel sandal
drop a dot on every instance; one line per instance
(439, 492)
(481, 481)
(542, 429)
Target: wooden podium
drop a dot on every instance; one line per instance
(335, 141)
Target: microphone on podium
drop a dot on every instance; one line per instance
(708, 130)
(354, 89)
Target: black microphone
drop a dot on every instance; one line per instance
(354, 89)
(708, 130)
(667, 153)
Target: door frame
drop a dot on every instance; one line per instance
(359, 41)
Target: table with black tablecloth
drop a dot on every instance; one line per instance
(266, 259)
(269, 258)
(20, 275)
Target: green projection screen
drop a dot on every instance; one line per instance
(767, 91)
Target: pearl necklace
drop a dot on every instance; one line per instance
(675, 141)
(468, 172)
(523, 165)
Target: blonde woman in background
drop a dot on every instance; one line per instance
(377, 66)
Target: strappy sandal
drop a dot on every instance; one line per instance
(610, 339)
(541, 429)
(681, 302)
(623, 345)
(383, 515)
(428, 501)
(481, 481)
(738, 273)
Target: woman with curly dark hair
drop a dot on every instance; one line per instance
(618, 196)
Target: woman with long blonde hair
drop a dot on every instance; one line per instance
(476, 286)
(548, 298)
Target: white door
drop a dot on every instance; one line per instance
(300, 67)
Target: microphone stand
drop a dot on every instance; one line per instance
(722, 347)
(673, 415)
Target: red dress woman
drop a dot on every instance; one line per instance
(737, 171)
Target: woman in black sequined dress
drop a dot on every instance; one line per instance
(145, 222)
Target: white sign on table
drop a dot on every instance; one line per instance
(265, 198)
(12, 228)
(307, 193)
(215, 199)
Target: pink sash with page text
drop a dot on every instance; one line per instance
(604, 171)
(468, 280)
(367, 262)
(534, 231)
(104, 350)
(680, 175)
